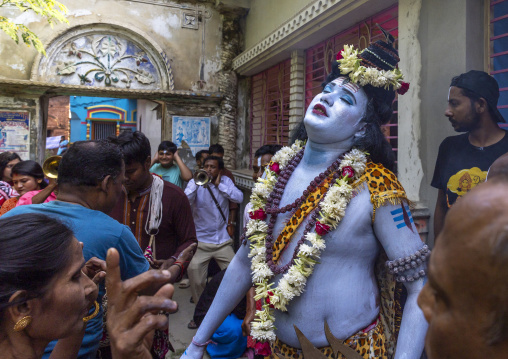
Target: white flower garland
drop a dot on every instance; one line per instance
(350, 64)
(292, 284)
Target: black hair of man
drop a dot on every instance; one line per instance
(30, 168)
(167, 146)
(474, 98)
(134, 145)
(219, 160)
(199, 154)
(216, 149)
(87, 163)
(267, 150)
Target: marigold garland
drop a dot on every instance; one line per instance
(292, 283)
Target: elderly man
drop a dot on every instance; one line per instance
(465, 299)
(322, 218)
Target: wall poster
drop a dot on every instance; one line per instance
(15, 133)
(195, 131)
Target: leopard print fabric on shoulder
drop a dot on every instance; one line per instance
(383, 185)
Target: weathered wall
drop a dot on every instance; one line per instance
(267, 15)
(161, 21)
(58, 116)
(243, 123)
(149, 123)
(31, 105)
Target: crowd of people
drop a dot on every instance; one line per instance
(88, 261)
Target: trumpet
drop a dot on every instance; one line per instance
(50, 166)
(201, 177)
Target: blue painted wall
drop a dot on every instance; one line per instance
(80, 107)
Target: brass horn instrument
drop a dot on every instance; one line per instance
(50, 166)
(201, 177)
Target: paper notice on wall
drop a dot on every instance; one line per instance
(194, 131)
(15, 132)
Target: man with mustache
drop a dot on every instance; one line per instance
(472, 108)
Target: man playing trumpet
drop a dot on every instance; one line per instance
(209, 196)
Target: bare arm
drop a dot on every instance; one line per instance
(250, 311)
(155, 159)
(42, 195)
(236, 282)
(185, 172)
(440, 212)
(397, 233)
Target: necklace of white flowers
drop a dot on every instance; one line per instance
(331, 211)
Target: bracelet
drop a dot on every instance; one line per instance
(181, 272)
(210, 341)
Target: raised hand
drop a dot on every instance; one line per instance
(132, 318)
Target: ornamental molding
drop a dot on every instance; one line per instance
(310, 12)
(316, 22)
(107, 56)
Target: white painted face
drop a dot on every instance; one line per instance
(335, 114)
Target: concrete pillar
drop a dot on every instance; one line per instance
(432, 49)
(228, 85)
(297, 89)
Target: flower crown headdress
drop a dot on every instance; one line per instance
(376, 65)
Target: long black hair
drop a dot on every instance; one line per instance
(34, 248)
(5, 158)
(30, 168)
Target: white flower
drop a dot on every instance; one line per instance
(263, 330)
(296, 279)
(254, 226)
(308, 251)
(316, 241)
(260, 271)
(286, 290)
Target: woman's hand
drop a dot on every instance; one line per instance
(133, 318)
(95, 269)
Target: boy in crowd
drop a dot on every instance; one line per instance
(168, 164)
(200, 158)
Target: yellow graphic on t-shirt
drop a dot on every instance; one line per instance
(465, 180)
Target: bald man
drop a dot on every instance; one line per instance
(499, 167)
(465, 299)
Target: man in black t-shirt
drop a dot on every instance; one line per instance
(463, 161)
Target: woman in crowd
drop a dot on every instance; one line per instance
(7, 161)
(47, 290)
(27, 176)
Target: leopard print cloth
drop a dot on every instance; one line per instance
(301, 213)
(383, 185)
(369, 344)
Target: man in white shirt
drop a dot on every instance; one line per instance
(211, 223)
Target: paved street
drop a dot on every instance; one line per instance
(179, 335)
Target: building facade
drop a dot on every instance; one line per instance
(251, 68)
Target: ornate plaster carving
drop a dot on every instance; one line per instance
(105, 55)
(309, 13)
(190, 20)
